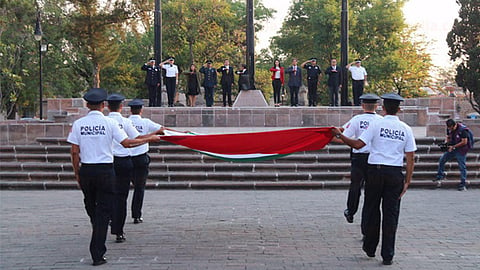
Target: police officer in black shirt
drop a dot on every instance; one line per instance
(313, 71)
(152, 80)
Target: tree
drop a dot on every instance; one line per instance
(464, 40)
(94, 27)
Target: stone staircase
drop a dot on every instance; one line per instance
(46, 165)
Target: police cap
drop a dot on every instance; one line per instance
(369, 98)
(358, 60)
(95, 96)
(392, 97)
(151, 59)
(115, 97)
(136, 103)
(171, 58)
(313, 59)
(208, 62)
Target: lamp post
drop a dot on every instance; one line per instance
(344, 53)
(38, 37)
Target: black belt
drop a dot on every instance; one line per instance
(379, 166)
(108, 165)
(358, 80)
(127, 157)
(360, 154)
(144, 154)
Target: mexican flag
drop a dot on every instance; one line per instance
(253, 146)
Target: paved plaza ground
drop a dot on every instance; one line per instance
(232, 229)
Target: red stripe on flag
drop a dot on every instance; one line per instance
(268, 142)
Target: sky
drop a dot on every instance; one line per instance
(434, 19)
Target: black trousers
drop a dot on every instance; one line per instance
(358, 174)
(140, 174)
(277, 86)
(97, 182)
(154, 96)
(312, 92)
(209, 96)
(383, 186)
(294, 95)
(227, 94)
(123, 176)
(357, 90)
(170, 84)
(333, 92)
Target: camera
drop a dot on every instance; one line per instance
(444, 146)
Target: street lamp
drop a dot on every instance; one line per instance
(41, 48)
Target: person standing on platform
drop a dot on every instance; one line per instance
(390, 140)
(193, 85)
(243, 78)
(334, 83)
(294, 82)
(209, 82)
(278, 79)
(171, 78)
(359, 165)
(91, 140)
(359, 80)
(226, 81)
(313, 72)
(152, 80)
(123, 166)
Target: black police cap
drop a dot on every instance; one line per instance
(313, 59)
(369, 98)
(115, 97)
(136, 103)
(151, 59)
(95, 96)
(358, 60)
(393, 97)
(208, 62)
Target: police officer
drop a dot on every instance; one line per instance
(123, 166)
(91, 152)
(140, 158)
(359, 79)
(171, 78)
(152, 80)
(313, 72)
(209, 81)
(390, 140)
(353, 129)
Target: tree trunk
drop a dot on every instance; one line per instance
(96, 76)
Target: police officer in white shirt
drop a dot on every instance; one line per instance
(91, 140)
(359, 80)
(390, 140)
(171, 78)
(359, 166)
(123, 166)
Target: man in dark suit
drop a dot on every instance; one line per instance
(209, 81)
(152, 80)
(334, 83)
(294, 82)
(227, 80)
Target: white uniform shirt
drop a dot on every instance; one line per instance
(94, 134)
(357, 125)
(127, 126)
(171, 70)
(389, 140)
(358, 73)
(144, 126)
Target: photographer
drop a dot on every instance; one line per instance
(457, 147)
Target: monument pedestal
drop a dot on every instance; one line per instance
(250, 98)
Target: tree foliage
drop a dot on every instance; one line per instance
(464, 40)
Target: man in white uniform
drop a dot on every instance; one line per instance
(390, 140)
(171, 78)
(91, 152)
(123, 166)
(359, 166)
(359, 80)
